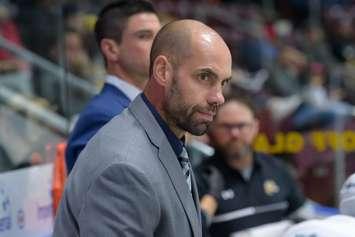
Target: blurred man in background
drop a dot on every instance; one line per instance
(14, 72)
(124, 32)
(239, 188)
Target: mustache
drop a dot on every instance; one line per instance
(213, 108)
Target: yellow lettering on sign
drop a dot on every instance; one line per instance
(318, 141)
(294, 142)
(334, 140)
(278, 147)
(261, 143)
(349, 141)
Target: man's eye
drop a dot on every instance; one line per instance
(204, 76)
(144, 36)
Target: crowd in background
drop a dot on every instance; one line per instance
(295, 58)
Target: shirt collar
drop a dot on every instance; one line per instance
(128, 89)
(174, 141)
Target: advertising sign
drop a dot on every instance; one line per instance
(26, 202)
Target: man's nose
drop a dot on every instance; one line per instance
(216, 96)
(234, 132)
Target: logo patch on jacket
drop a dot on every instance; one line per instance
(271, 187)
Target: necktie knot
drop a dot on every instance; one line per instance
(184, 157)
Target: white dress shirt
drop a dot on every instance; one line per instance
(128, 89)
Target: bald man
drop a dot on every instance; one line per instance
(134, 178)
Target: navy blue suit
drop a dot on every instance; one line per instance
(102, 108)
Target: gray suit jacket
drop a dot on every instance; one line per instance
(128, 182)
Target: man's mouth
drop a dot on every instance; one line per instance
(207, 115)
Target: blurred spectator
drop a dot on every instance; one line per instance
(9, 31)
(73, 17)
(315, 46)
(316, 94)
(339, 22)
(349, 76)
(255, 51)
(342, 225)
(76, 57)
(286, 75)
(39, 22)
(298, 96)
(239, 188)
(14, 72)
(83, 22)
(77, 62)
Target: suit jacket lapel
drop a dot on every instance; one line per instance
(169, 161)
(175, 173)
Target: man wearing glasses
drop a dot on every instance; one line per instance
(240, 188)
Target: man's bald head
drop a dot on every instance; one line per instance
(175, 40)
(190, 64)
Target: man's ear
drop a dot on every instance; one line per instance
(162, 70)
(110, 49)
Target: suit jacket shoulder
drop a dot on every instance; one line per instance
(101, 109)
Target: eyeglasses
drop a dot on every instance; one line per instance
(228, 127)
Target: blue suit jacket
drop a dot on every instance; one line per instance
(102, 108)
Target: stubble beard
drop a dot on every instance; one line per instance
(237, 153)
(180, 114)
